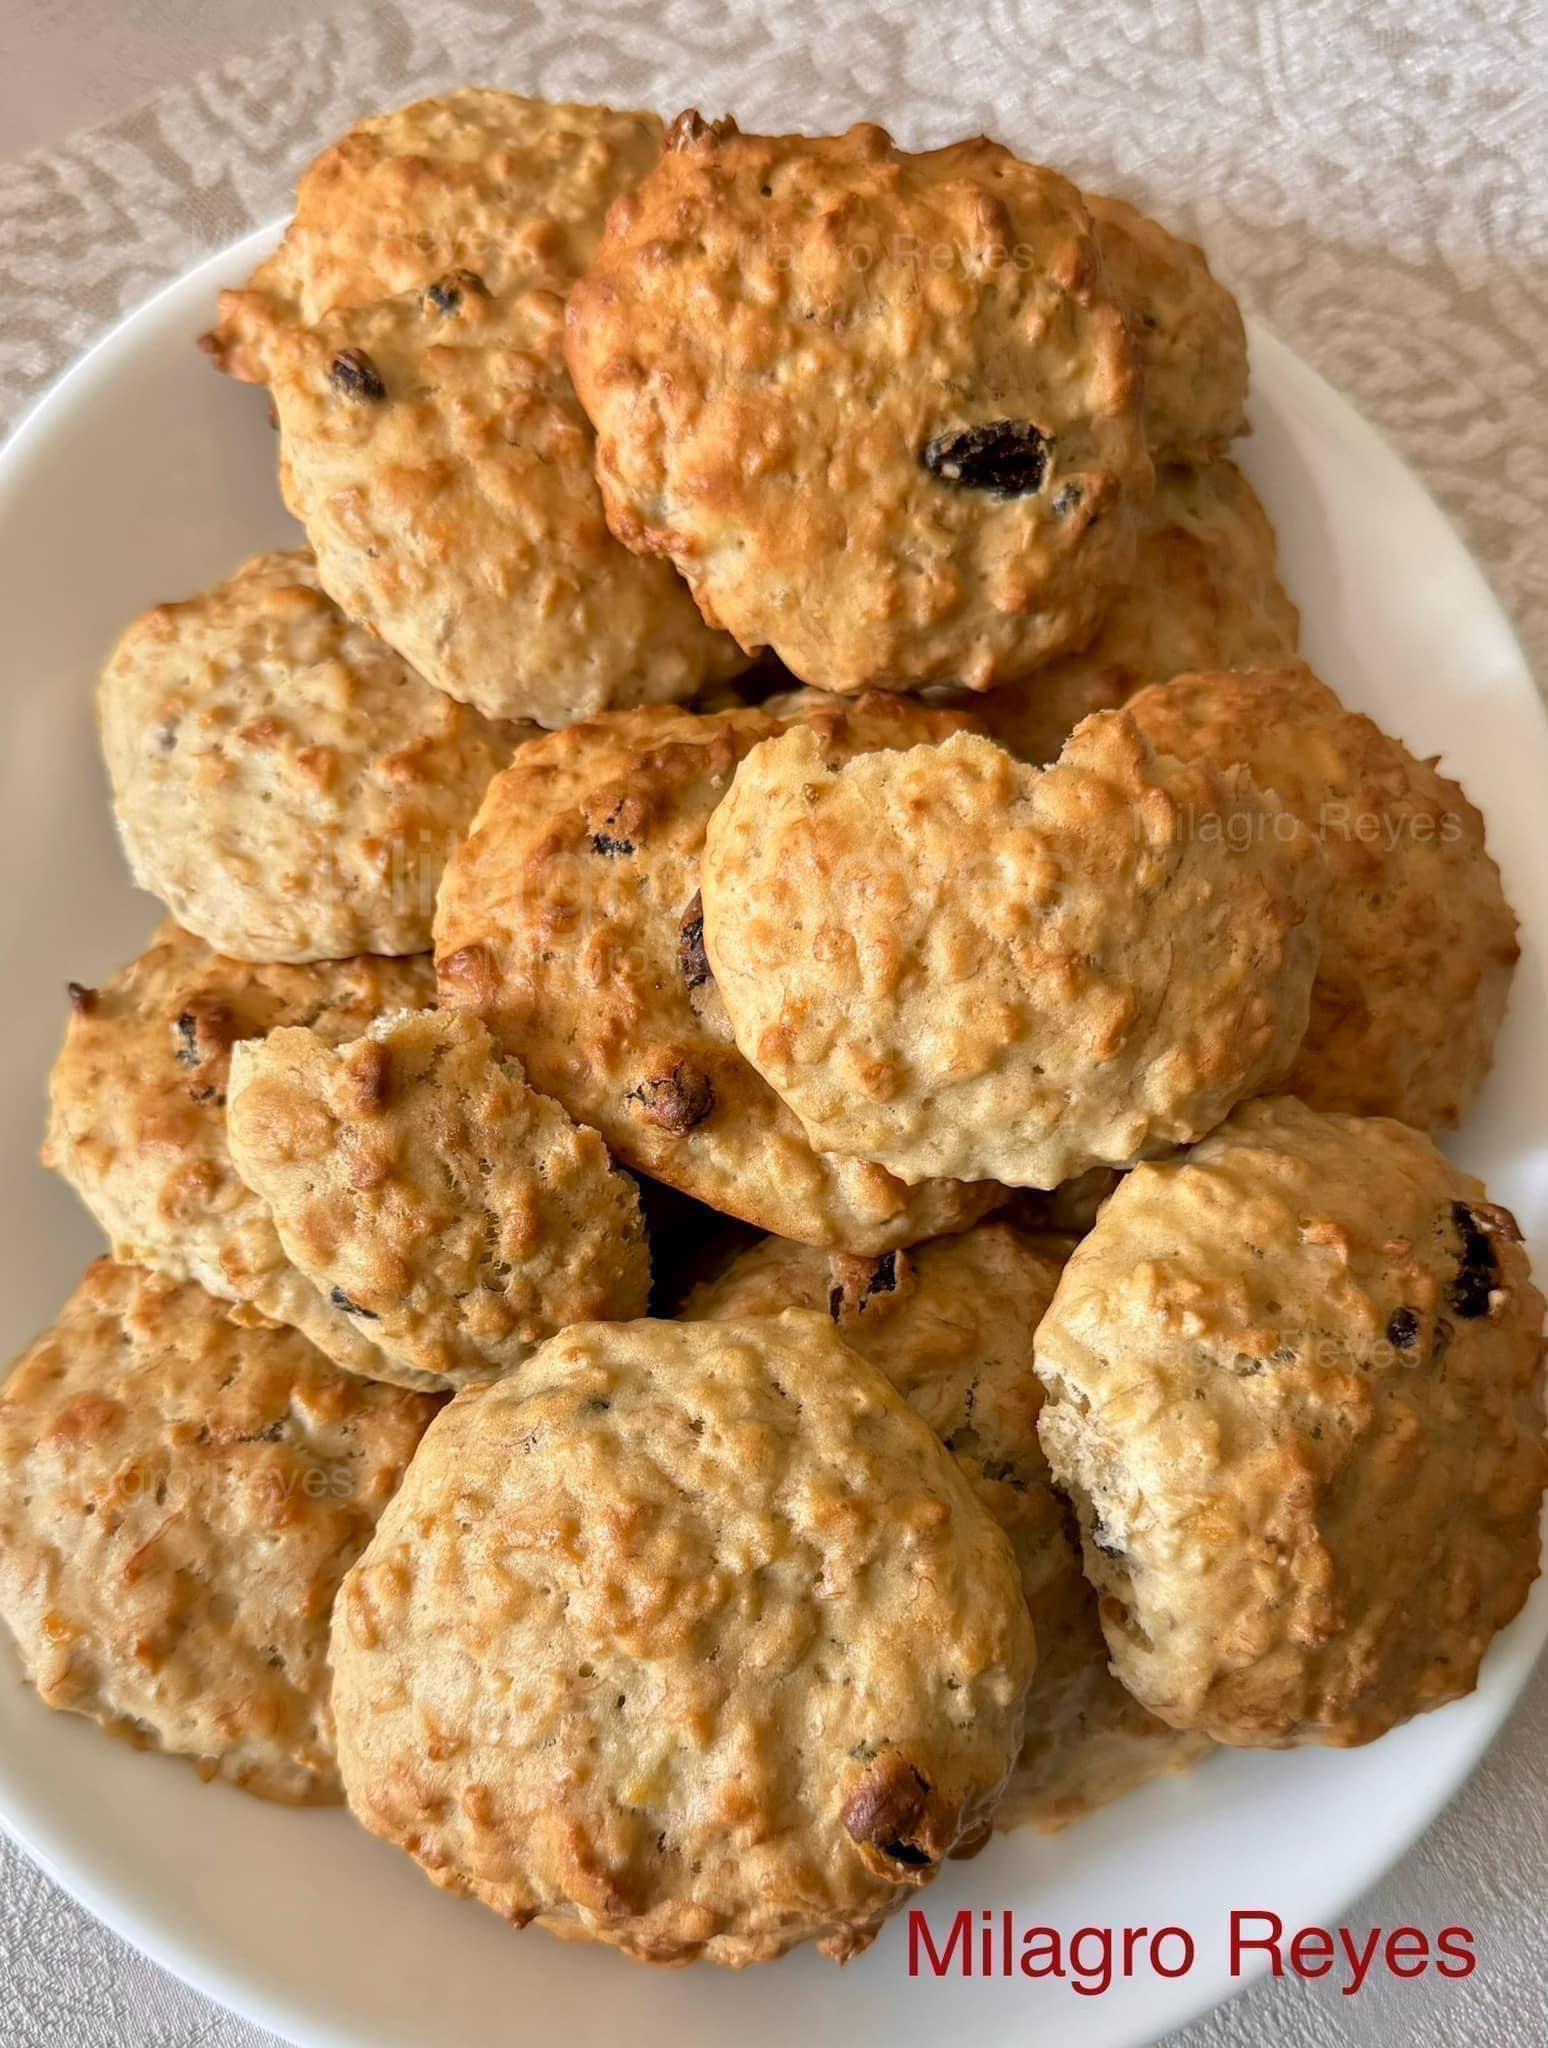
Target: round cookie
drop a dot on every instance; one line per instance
(950, 1325)
(514, 190)
(877, 407)
(281, 780)
(413, 1172)
(434, 450)
(137, 1117)
(1187, 331)
(686, 1638)
(952, 964)
(1295, 1389)
(179, 1499)
(1419, 943)
(1205, 594)
(569, 921)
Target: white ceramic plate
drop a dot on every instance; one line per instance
(146, 476)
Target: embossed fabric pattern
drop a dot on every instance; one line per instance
(1370, 178)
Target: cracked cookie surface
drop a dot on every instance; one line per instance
(416, 1180)
(179, 1500)
(688, 1638)
(877, 407)
(1295, 1389)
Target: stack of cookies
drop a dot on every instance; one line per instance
(772, 1192)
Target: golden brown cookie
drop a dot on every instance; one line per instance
(282, 781)
(1419, 943)
(1186, 327)
(569, 921)
(1295, 1389)
(514, 190)
(179, 1499)
(686, 1638)
(878, 408)
(137, 1116)
(463, 1216)
(955, 965)
(951, 1325)
(1205, 594)
(434, 450)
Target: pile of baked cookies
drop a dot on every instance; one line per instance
(781, 775)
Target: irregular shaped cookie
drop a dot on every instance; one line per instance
(435, 452)
(687, 1638)
(179, 1499)
(1295, 1388)
(286, 785)
(1419, 943)
(1186, 327)
(950, 1324)
(569, 921)
(878, 408)
(137, 1117)
(514, 190)
(413, 1172)
(954, 965)
(1205, 594)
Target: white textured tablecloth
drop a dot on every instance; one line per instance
(1371, 178)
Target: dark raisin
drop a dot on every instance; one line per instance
(187, 1029)
(342, 1301)
(857, 1281)
(83, 1000)
(691, 956)
(1006, 458)
(1403, 1328)
(609, 847)
(890, 1810)
(1068, 500)
(1478, 1272)
(353, 373)
(677, 1100)
(597, 1405)
(448, 292)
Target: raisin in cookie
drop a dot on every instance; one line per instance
(1295, 1387)
(179, 1499)
(569, 920)
(687, 1638)
(878, 408)
(1186, 327)
(283, 782)
(412, 1171)
(1419, 943)
(1205, 594)
(950, 1324)
(510, 190)
(137, 1117)
(951, 964)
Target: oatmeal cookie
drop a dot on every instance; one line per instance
(687, 1638)
(1419, 943)
(1186, 327)
(511, 190)
(950, 1324)
(283, 782)
(951, 964)
(877, 407)
(1295, 1389)
(137, 1117)
(1205, 594)
(434, 450)
(179, 1499)
(412, 1170)
(569, 920)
